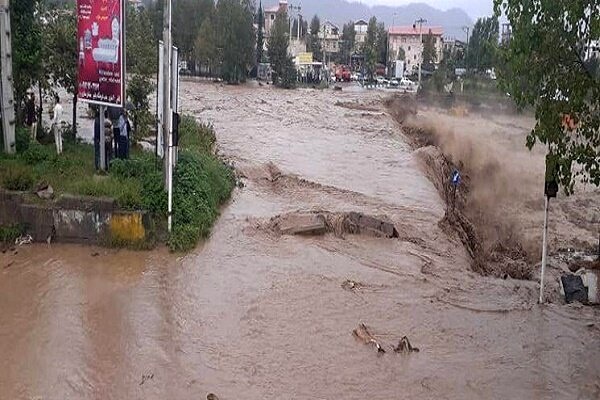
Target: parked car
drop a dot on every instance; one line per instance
(407, 85)
(381, 80)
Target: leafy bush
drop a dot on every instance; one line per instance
(37, 153)
(201, 185)
(18, 178)
(133, 167)
(154, 197)
(22, 139)
(127, 193)
(195, 136)
(8, 234)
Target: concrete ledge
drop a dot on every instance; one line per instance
(76, 219)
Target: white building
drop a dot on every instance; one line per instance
(330, 37)
(593, 50)
(360, 27)
(271, 14)
(409, 39)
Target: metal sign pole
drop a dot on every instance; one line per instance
(544, 249)
(160, 135)
(103, 160)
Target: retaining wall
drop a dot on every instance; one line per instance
(75, 219)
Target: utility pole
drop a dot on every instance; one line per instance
(166, 114)
(550, 191)
(389, 60)
(420, 21)
(6, 81)
(467, 29)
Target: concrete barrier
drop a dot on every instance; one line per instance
(75, 219)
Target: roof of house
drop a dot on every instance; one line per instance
(360, 22)
(411, 30)
(330, 24)
(274, 9)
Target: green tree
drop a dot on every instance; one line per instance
(370, 49)
(236, 39)
(483, 44)
(347, 42)
(314, 43)
(260, 40)
(304, 30)
(142, 51)
(142, 65)
(61, 53)
(206, 45)
(546, 65)
(401, 54)
(187, 18)
(382, 44)
(281, 62)
(429, 51)
(26, 49)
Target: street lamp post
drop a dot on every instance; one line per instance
(420, 21)
(390, 62)
(467, 29)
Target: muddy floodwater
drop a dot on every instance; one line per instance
(254, 315)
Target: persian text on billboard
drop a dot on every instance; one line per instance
(100, 45)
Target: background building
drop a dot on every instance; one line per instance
(271, 14)
(409, 39)
(360, 27)
(330, 38)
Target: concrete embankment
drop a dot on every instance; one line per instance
(76, 219)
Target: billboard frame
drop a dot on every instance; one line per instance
(122, 65)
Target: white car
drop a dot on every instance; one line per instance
(407, 84)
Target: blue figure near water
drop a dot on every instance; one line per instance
(456, 178)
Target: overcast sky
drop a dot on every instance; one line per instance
(475, 8)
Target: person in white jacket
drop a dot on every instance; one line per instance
(56, 125)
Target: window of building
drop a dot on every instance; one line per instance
(408, 48)
(403, 40)
(415, 56)
(272, 17)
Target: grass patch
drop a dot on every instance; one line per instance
(8, 234)
(202, 183)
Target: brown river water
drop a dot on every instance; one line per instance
(252, 315)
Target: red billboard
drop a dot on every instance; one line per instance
(100, 41)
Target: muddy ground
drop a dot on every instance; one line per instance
(254, 314)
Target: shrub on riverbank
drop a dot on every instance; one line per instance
(202, 183)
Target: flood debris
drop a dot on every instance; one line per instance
(573, 289)
(581, 286)
(351, 285)
(301, 224)
(45, 191)
(321, 222)
(146, 377)
(363, 334)
(24, 239)
(404, 346)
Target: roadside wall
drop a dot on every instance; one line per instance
(75, 219)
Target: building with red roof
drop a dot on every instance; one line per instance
(409, 39)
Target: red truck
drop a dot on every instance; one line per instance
(342, 73)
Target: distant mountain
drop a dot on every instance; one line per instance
(341, 11)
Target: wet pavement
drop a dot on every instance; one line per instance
(250, 315)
